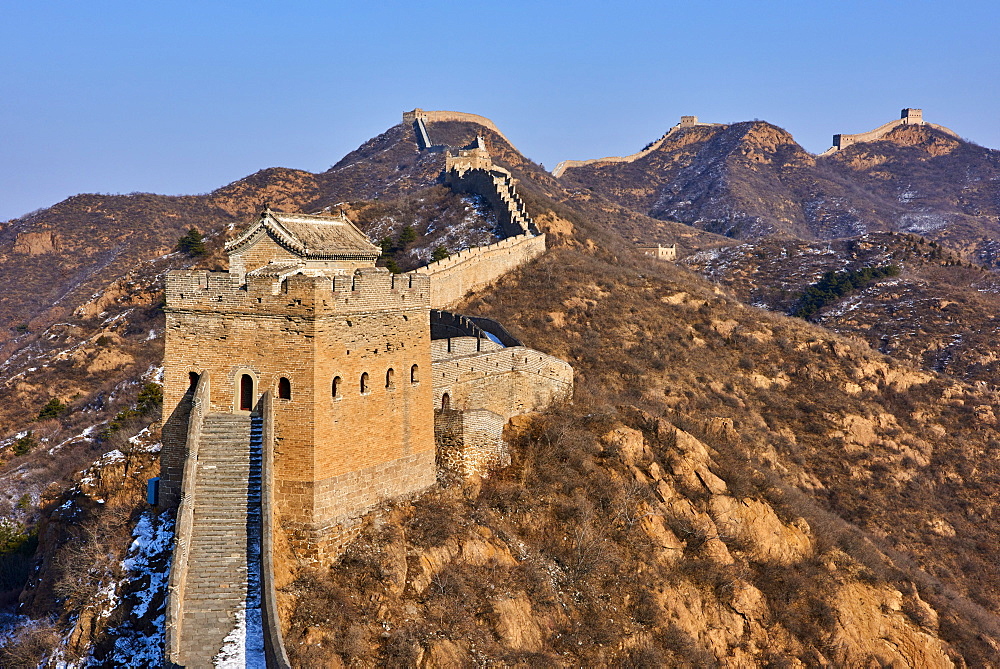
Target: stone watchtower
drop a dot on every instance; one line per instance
(342, 348)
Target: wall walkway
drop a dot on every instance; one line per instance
(220, 572)
(462, 117)
(842, 141)
(569, 164)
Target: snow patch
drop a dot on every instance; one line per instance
(139, 639)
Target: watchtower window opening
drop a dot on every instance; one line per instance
(193, 380)
(446, 401)
(389, 383)
(246, 393)
(364, 383)
(284, 389)
(414, 374)
(335, 388)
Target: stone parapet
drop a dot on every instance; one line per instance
(184, 497)
(509, 381)
(479, 266)
(274, 645)
(453, 347)
(361, 291)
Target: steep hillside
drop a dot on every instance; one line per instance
(743, 180)
(944, 188)
(694, 504)
(939, 312)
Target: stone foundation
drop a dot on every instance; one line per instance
(344, 499)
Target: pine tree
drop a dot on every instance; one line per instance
(440, 253)
(192, 243)
(406, 236)
(52, 409)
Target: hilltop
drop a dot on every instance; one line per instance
(729, 484)
(749, 180)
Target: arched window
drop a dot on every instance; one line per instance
(414, 374)
(364, 383)
(284, 389)
(246, 393)
(335, 388)
(192, 380)
(446, 401)
(389, 383)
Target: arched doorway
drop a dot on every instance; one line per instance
(446, 401)
(246, 393)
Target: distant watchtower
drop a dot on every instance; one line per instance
(912, 116)
(342, 346)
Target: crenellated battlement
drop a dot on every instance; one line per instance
(372, 289)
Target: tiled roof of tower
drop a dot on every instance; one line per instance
(309, 235)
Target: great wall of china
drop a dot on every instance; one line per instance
(685, 122)
(268, 364)
(471, 170)
(908, 116)
(419, 118)
(303, 341)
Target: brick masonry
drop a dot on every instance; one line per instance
(470, 443)
(507, 381)
(474, 268)
(317, 332)
(485, 385)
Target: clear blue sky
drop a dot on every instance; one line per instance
(183, 97)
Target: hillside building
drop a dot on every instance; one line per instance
(659, 251)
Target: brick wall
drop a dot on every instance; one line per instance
(311, 330)
(456, 346)
(474, 268)
(508, 381)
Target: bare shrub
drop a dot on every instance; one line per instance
(435, 521)
(28, 646)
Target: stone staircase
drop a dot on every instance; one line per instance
(223, 579)
(423, 139)
(507, 193)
